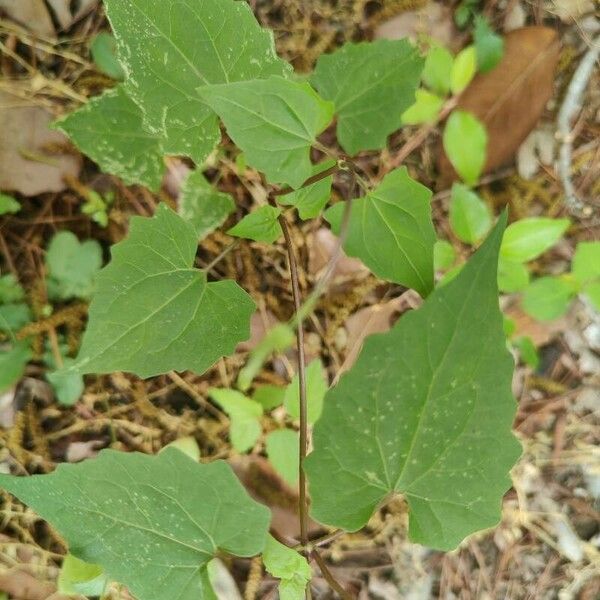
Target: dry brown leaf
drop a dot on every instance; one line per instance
(540, 333)
(31, 14)
(25, 165)
(19, 584)
(511, 98)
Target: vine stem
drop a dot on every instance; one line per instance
(331, 580)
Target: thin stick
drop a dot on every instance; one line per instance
(221, 256)
(309, 181)
(331, 580)
(303, 449)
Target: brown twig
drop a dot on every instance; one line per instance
(309, 181)
(331, 580)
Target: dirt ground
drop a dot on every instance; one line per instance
(548, 543)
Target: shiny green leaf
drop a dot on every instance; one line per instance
(526, 239)
(470, 218)
(437, 73)
(425, 109)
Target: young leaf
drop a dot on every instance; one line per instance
(104, 53)
(390, 230)
(463, 69)
(425, 109)
(309, 201)
(202, 205)
(488, 45)
(109, 130)
(153, 312)
(188, 445)
(426, 411)
(274, 122)
(586, 262)
(269, 396)
(261, 225)
(316, 388)
(245, 417)
(13, 360)
(527, 351)
(444, 255)
(176, 513)
(67, 385)
(282, 450)
(8, 205)
(465, 143)
(289, 566)
(512, 276)
(547, 298)
(526, 239)
(13, 317)
(592, 292)
(170, 49)
(437, 72)
(371, 85)
(78, 577)
(470, 218)
(10, 289)
(72, 266)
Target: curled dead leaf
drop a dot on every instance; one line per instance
(511, 98)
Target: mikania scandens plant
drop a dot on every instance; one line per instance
(425, 411)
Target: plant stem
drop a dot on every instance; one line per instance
(309, 181)
(331, 580)
(303, 449)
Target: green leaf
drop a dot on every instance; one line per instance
(67, 385)
(175, 513)
(425, 110)
(8, 205)
(202, 205)
(109, 130)
(489, 46)
(316, 387)
(463, 69)
(527, 351)
(188, 445)
(13, 317)
(10, 289)
(586, 262)
(261, 225)
(153, 312)
(526, 239)
(425, 411)
(245, 417)
(13, 360)
(282, 450)
(274, 122)
(444, 255)
(309, 201)
(104, 53)
(78, 577)
(371, 85)
(170, 49)
(547, 298)
(465, 142)
(269, 396)
(390, 230)
(289, 566)
(512, 276)
(592, 292)
(470, 218)
(72, 266)
(438, 70)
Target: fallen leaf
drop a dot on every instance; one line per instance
(32, 14)
(21, 585)
(510, 98)
(25, 166)
(78, 451)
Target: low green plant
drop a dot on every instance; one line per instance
(426, 410)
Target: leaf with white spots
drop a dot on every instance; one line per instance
(426, 412)
(151, 522)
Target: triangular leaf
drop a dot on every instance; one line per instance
(261, 225)
(390, 230)
(153, 312)
(426, 411)
(170, 49)
(274, 122)
(136, 515)
(371, 85)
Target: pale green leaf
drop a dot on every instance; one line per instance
(426, 411)
(390, 230)
(170, 49)
(13, 317)
(136, 515)
(202, 205)
(527, 351)
(109, 130)
(104, 53)
(245, 417)
(188, 445)
(463, 69)
(8, 205)
(309, 201)
(67, 385)
(316, 387)
(547, 298)
(470, 218)
(269, 396)
(153, 312)
(282, 449)
(274, 122)
(444, 255)
(289, 566)
(425, 109)
(261, 225)
(526, 239)
(13, 360)
(488, 45)
(437, 72)
(10, 289)
(586, 262)
(371, 85)
(79, 577)
(72, 266)
(465, 142)
(592, 292)
(512, 276)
